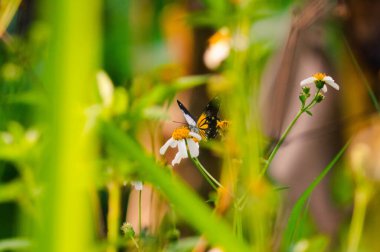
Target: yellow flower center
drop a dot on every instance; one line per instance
(319, 76)
(181, 133)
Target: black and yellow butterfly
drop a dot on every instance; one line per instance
(208, 123)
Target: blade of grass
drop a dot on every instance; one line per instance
(185, 201)
(113, 215)
(294, 218)
(367, 85)
(67, 170)
(8, 9)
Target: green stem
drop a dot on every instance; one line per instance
(210, 179)
(362, 196)
(135, 243)
(239, 224)
(288, 129)
(140, 192)
(113, 215)
(215, 187)
(280, 142)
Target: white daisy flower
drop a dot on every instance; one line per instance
(138, 185)
(320, 79)
(179, 138)
(218, 49)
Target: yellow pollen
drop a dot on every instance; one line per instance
(222, 124)
(319, 76)
(181, 133)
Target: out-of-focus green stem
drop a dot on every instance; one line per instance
(371, 94)
(135, 243)
(140, 229)
(113, 215)
(237, 222)
(186, 202)
(362, 196)
(67, 170)
(8, 9)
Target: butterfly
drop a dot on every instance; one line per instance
(208, 123)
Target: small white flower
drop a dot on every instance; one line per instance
(179, 138)
(106, 89)
(320, 79)
(138, 185)
(218, 49)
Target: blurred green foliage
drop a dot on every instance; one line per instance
(82, 85)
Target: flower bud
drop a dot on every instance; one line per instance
(306, 90)
(319, 84)
(319, 98)
(127, 229)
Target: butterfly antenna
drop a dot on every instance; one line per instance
(178, 122)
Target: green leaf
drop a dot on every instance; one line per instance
(11, 191)
(302, 99)
(188, 204)
(163, 92)
(294, 218)
(308, 112)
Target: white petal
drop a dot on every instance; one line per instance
(177, 159)
(197, 136)
(174, 144)
(182, 152)
(307, 81)
(324, 89)
(182, 148)
(171, 142)
(193, 148)
(215, 54)
(331, 82)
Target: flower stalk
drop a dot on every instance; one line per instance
(113, 215)
(305, 108)
(209, 178)
(362, 196)
(320, 80)
(140, 229)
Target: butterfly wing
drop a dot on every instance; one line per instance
(208, 120)
(188, 117)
